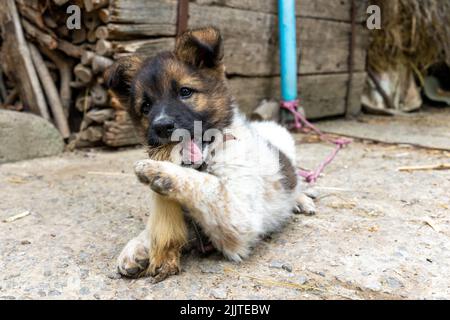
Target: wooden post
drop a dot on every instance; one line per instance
(18, 53)
(51, 92)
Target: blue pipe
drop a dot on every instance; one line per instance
(288, 49)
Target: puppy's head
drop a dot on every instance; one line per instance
(174, 89)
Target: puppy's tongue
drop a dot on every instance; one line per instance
(195, 154)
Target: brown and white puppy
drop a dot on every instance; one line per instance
(247, 185)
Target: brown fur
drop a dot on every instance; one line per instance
(195, 63)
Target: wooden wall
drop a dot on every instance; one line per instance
(249, 29)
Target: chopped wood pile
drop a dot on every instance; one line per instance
(56, 72)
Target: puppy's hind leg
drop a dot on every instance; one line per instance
(305, 205)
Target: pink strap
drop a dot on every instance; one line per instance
(299, 122)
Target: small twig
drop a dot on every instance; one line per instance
(17, 216)
(441, 166)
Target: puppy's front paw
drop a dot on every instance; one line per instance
(152, 173)
(305, 205)
(133, 261)
(164, 264)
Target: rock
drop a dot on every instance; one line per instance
(211, 268)
(280, 265)
(287, 267)
(84, 291)
(219, 293)
(302, 280)
(394, 283)
(372, 285)
(114, 275)
(276, 264)
(25, 136)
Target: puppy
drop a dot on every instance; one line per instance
(234, 178)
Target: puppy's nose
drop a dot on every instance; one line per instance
(164, 127)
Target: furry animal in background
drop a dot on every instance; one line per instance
(234, 178)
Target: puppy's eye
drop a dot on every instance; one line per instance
(186, 92)
(145, 108)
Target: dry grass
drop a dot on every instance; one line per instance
(414, 33)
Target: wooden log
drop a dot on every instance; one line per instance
(91, 20)
(31, 14)
(49, 20)
(91, 37)
(38, 35)
(91, 5)
(102, 32)
(100, 115)
(70, 49)
(91, 134)
(51, 92)
(16, 56)
(118, 134)
(11, 97)
(103, 15)
(83, 103)
(99, 95)
(320, 95)
(103, 48)
(83, 73)
(64, 66)
(78, 36)
(100, 63)
(86, 58)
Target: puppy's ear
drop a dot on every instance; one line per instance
(200, 47)
(119, 76)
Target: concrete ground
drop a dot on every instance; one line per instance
(379, 233)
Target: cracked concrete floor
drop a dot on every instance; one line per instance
(379, 233)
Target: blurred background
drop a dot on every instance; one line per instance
(53, 54)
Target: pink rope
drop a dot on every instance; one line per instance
(299, 122)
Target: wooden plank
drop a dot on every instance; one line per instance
(16, 60)
(324, 9)
(129, 19)
(251, 44)
(146, 48)
(324, 46)
(320, 95)
(132, 31)
(143, 12)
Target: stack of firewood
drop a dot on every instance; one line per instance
(57, 72)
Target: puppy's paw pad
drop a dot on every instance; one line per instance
(142, 170)
(162, 185)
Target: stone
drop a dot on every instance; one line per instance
(302, 280)
(394, 283)
(372, 285)
(26, 136)
(219, 293)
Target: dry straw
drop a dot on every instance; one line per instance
(414, 33)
